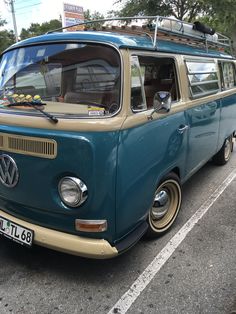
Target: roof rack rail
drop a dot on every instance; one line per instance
(159, 26)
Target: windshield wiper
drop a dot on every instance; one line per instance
(35, 106)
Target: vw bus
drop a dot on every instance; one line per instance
(99, 128)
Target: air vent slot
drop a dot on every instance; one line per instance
(34, 146)
(1, 141)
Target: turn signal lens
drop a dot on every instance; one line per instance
(90, 225)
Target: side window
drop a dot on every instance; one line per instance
(203, 78)
(150, 75)
(227, 70)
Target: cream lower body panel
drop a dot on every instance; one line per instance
(65, 242)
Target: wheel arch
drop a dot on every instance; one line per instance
(176, 170)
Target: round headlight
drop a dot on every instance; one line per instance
(73, 191)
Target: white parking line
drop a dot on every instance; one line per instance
(129, 297)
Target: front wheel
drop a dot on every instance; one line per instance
(166, 205)
(224, 154)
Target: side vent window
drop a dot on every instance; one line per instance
(138, 102)
(203, 78)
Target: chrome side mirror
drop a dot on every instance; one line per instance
(161, 103)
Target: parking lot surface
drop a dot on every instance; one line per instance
(196, 275)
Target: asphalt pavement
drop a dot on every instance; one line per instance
(198, 276)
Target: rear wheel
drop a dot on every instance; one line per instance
(223, 156)
(166, 205)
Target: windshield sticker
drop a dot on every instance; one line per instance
(96, 111)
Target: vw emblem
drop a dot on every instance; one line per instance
(9, 174)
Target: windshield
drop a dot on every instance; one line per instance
(71, 79)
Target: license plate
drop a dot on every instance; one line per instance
(16, 232)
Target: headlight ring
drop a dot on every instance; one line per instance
(73, 191)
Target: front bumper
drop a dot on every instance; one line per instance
(67, 243)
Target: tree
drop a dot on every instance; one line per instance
(88, 16)
(2, 22)
(223, 20)
(215, 13)
(180, 9)
(187, 10)
(7, 38)
(37, 29)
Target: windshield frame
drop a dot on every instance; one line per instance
(74, 115)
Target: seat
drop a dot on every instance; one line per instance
(167, 80)
(150, 89)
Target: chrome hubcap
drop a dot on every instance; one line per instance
(227, 149)
(165, 206)
(161, 204)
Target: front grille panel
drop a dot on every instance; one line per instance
(34, 146)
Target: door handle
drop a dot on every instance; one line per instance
(183, 128)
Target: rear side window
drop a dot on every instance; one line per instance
(228, 76)
(203, 78)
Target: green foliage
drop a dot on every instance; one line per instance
(2, 22)
(88, 15)
(181, 9)
(37, 29)
(6, 37)
(221, 15)
(188, 10)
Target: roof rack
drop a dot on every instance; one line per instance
(158, 26)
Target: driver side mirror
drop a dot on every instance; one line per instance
(161, 103)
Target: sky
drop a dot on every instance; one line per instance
(39, 11)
